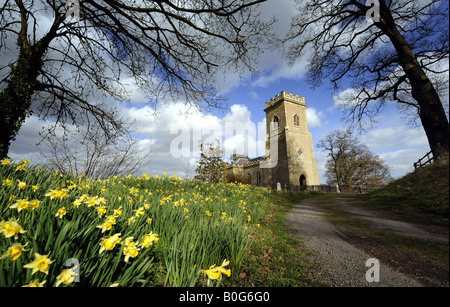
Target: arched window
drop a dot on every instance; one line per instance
(258, 178)
(276, 122)
(296, 120)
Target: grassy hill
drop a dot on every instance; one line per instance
(423, 193)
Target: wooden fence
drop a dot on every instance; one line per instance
(427, 159)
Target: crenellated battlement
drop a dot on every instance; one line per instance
(286, 96)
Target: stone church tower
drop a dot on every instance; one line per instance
(295, 166)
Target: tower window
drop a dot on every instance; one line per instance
(276, 122)
(296, 120)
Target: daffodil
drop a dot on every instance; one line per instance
(25, 162)
(216, 272)
(34, 204)
(11, 228)
(84, 197)
(118, 211)
(35, 284)
(21, 168)
(14, 251)
(61, 212)
(20, 204)
(105, 226)
(5, 161)
(41, 263)
(76, 203)
(67, 277)
(131, 220)
(91, 201)
(101, 200)
(35, 187)
(7, 182)
(149, 239)
(130, 249)
(22, 185)
(111, 219)
(140, 211)
(110, 243)
(101, 210)
(57, 193)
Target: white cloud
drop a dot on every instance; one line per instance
(398, 146)
(314, 117)
(176, 131)
(394, 137)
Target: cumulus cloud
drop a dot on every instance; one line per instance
(176, 132)
(398, 146)
(314, 117)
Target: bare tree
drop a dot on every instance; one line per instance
(88, 151)
(351, 165)
(170, 49)
(389, 59)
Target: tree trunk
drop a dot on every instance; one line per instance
(432, 113)
(15, 99)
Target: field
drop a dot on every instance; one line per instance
(66, 230)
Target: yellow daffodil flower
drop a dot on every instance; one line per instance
(57, 193)
(76, 203)
(5, 161)
(91, 201)
(118, 211)
(101, 200)
(34, 204)
(61, 212)
(11, 228)
(41, 263)
(130, 249)
(35, 284)
(22, 185)
(110, 243)
(101, 210)
(67, 277)
(140, 211)
(20, 204)
(21, 168)
(111, 219)
(105, 226)
(14, 251)
(216, 272)
(149, 239)
(7, 182)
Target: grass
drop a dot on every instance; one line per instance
(422, 194)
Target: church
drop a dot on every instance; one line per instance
(289, 161)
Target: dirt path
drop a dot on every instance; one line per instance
(400, 227)
(340, 263)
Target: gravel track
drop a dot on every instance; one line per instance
(340, 264)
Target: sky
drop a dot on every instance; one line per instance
(159, 133)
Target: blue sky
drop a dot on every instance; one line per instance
(398, 143)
